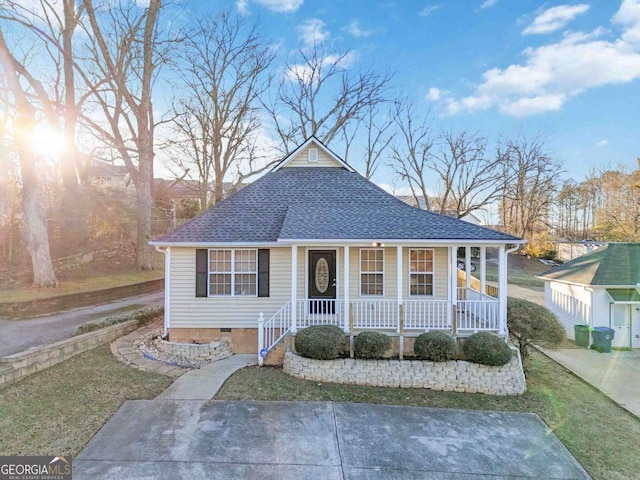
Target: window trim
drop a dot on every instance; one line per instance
(232, 272)
(361, 272)
(432, 273)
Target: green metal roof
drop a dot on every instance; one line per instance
(615, 264)
(624, 294)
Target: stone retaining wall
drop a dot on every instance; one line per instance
(193, 352)
(42, 306)
(19, 365)
(455, 375)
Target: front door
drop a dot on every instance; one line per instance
(322, 281)
(621, 324)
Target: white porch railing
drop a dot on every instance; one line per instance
(427, 315)
(375, 313)
(474, 312)
(271, 331)
(318, 312)
(478, 315)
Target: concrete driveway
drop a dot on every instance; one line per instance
(172, 439)
(615, 373)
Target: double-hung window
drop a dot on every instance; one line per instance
(233, 272)
(372, 272)
(421, 272)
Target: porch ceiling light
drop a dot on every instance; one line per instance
(378, 244)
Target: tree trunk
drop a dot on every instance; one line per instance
(35, 221)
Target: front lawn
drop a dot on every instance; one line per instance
(520, 271)
(58, 410)
(602, 436)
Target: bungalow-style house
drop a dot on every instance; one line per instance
(313, 242)
(600, 289)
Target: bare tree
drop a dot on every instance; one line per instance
(35, 221)
(468, 178)
(411, 151)
(124, 57)
(320, 95)
(378, 139)
(533, 179)
(222, 68)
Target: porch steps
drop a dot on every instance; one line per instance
(276, 354)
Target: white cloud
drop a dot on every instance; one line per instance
(312, 31)
(551, 74)
(354, 29)
(281, 6)
(434, 94)
(602, 143)
(428, 10)
(555, 18)
(304, 72)
(243, 7)
(488, 3)
(629, 17)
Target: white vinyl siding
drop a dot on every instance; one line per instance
(421, 272)
(302, 159)
(187, 311)
(571, 304)
(371, 272)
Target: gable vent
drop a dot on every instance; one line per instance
(312, 155)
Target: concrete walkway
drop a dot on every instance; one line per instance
(204, 382)
(170, 439)
(615, 374)
(20, 335)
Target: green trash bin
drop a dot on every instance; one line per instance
(602, 337)
(582, 335)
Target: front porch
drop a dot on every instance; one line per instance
(402, 290)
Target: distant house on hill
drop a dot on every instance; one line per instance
(107, 174)
(568, 250)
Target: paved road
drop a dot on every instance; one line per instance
(173, 439)
(19, 335)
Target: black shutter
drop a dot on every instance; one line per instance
(263, 272)
(202, 271)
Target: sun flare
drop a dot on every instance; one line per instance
(48, 142)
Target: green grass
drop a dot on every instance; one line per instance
(58, 410)
(521, 271)
(127, 276)
(602, 436)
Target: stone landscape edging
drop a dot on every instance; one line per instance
(454, 375)
(18, 365)
(197, 353)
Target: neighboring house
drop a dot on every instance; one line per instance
(567, 250)
(420, 203)
(314, 242)
(601, 288)
(107, 174)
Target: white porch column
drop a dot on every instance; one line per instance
(483, 270)
(502, 289)
(467, 266)
(294, 287)
(399, 280)
(452, 271)
(347, 312)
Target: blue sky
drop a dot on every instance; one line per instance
(567, 70)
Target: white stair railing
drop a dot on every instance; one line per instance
(271, 331)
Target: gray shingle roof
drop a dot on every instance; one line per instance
(320, 203)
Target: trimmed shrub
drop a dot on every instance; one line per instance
(530, 323)
(487, 349)
(371, 345)
(435, 346)
(321, 342)
(143, 316)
